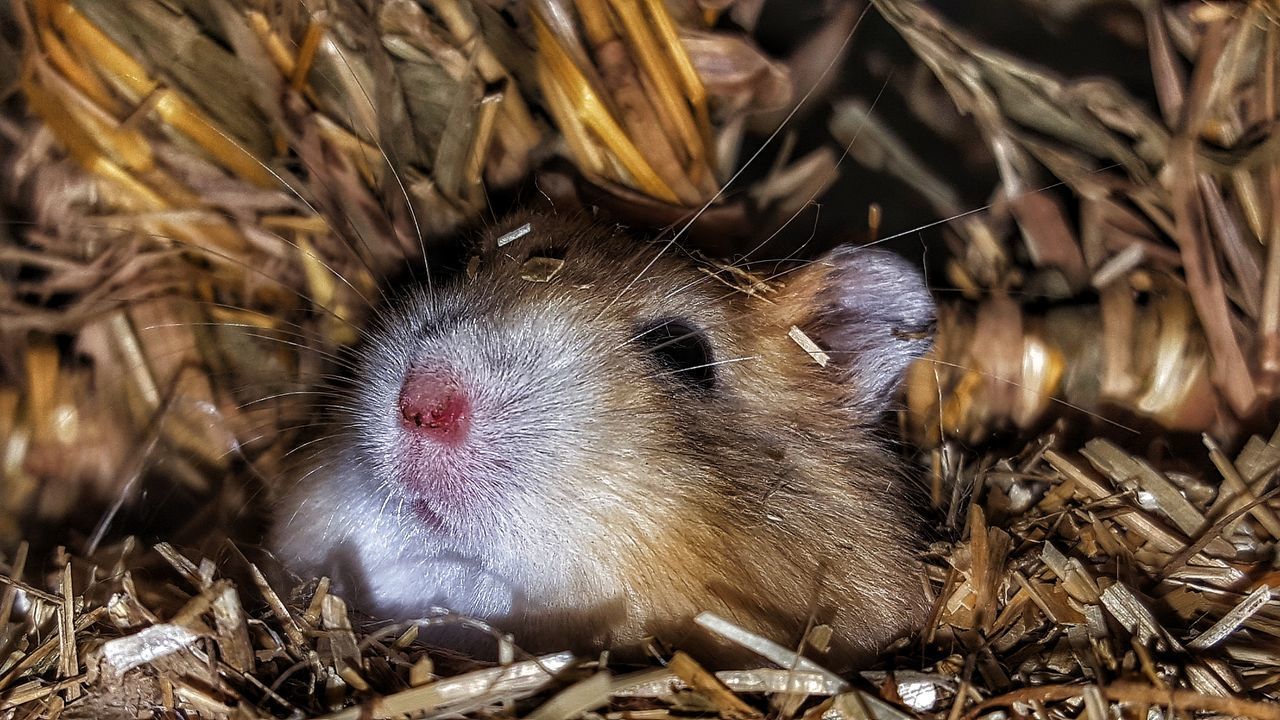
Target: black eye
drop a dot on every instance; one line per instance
(682, 351)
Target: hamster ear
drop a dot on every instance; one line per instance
(870, 311)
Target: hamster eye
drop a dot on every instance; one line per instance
(682, 350)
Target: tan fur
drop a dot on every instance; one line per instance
(770, 501)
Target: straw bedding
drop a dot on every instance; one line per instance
(200, 191)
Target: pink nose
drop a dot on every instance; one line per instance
(434, 406)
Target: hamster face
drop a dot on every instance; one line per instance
(586, 440)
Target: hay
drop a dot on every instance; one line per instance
(1174, 232)
(182, 248)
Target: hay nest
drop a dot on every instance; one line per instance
(202, 191)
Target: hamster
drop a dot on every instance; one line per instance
(585, 441)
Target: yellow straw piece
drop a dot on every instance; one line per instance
(81, 77)
(696, 92)
(667, 95)
(169, 105)
(576, 135)
(592, 112)
(80, 144)
(280, 54)
(307, 55)
(52, 96)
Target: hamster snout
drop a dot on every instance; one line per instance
(592, 455)
(433, 405)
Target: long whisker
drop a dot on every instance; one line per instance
(377, 142)
(298, 331)
(834, 170)
(1048, 396)
(750, 161)
(666, 343)
(260, 336)
(703, 366)
(800, 266)
(298, 194)
(311, 254)
(257, 271)
(976, 210)
(1021, 386)
(280, 395)
(243, 264)
(301, 336)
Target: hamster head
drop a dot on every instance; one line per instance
(586, 441)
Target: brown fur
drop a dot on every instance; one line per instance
(771, 500)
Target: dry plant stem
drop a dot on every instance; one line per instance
(585, 103)
(1166, 66)
(1076, 127)
(142, 190)
(1239, 492)
(17, 567)
(730, 705)
(1215, 531)
(637, 113)
(1230, 371)
(1132, 693)
(1269, 324)
(67, 653)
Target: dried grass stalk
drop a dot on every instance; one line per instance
(1169, 209)
(180, 217)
